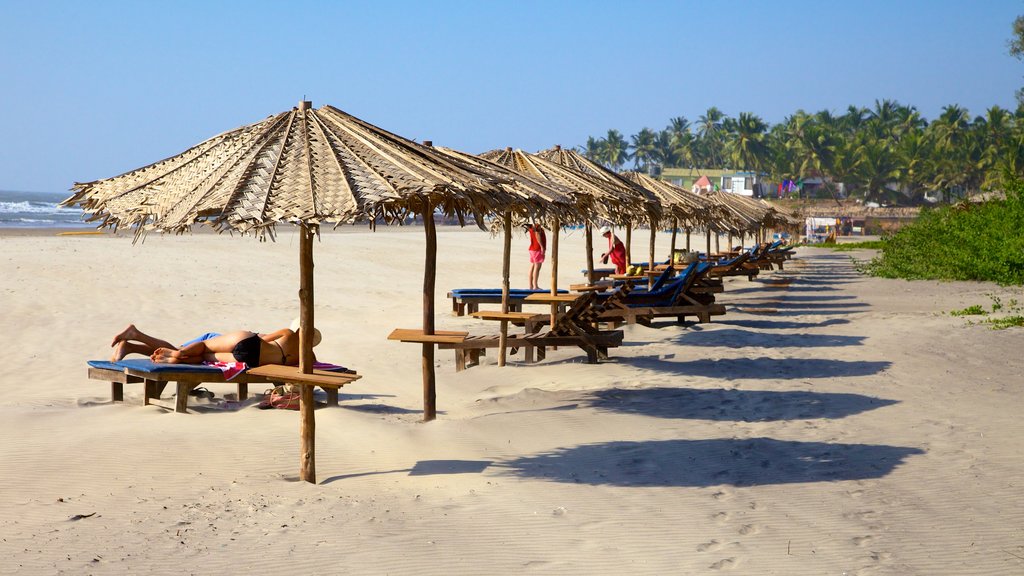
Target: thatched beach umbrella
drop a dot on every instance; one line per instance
(644, 205)
(544, 199)
(679, 207)
(306, 167)
(593, 198)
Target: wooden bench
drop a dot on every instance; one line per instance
(185, 381)
(469, 349)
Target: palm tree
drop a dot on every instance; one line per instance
(876, 166)
(643, 148)
(616, 149)
(665, 151)
(594, 149)
(746, 146)
(709, 128)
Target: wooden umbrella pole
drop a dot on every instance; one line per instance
(709, 244)
(307, 420)
(718, 245)
(629, 241)
(589, 232)
(688, 231)
(650, 262)
(429, 274)
(556, 228)
(505, 264)
(675, 229)
(728, 242)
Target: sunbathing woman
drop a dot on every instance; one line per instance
(278, 347)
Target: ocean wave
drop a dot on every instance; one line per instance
(34, 207)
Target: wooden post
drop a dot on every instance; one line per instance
(675, 229)
(556, 228)
(743, 239)
(306, 299)
(728, 242)
(307, 420)
(629, 242)
(650, 261)
(589, 231)
(505, 263)
(718, 238)
(429, 273)
(709, 244)
(688, 232)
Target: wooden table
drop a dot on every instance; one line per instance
(595, 287)
(528, 320)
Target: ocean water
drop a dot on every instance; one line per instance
(38, 210)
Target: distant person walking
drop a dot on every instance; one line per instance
(538, 248)
(616, 251)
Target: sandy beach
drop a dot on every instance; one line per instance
(829, 423)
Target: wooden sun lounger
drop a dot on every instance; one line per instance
(574, 327)
(740, 266)
(636, 308)
(186, 380)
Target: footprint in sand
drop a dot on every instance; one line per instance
(721, 495)
(711, 545)
(863, 540)
(724, 564)
(720, 517)
(748, 529)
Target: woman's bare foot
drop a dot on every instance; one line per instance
(120, 351)
(164, 355)
(129, 333)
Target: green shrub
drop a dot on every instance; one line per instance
(975, 310)
(963, 242)
(1007, 322)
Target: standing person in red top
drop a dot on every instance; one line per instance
(538, 247)
(616, 251)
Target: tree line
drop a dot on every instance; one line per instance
(888, 152)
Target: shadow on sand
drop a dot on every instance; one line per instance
(734, 338)
(712, 462)
(763, 367)
(778, 324)
(732, 405)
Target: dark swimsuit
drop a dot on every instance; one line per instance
(248, 351)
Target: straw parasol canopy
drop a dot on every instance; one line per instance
(307, 167)
(646, 204)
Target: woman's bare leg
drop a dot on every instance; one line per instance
(133, 333)
(124, 348)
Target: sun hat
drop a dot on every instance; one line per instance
(605, 230)
(296, 324)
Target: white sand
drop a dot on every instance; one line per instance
(828, 424)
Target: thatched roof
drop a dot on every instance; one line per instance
(749, 214)
(645, 200)
(303, 165)
(594, 197)
(690, 209)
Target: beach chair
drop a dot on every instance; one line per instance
(674, 298)
(468, 300)
(738, 266)
(155, 376)
(572, 327)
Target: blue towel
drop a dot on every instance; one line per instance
(147, 365)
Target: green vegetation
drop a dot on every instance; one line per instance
(848, 246)
(886, 153)
(1007, 322)
(962, 242)
(975, 310)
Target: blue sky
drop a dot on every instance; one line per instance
(89, 90)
